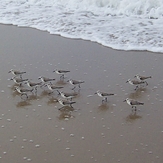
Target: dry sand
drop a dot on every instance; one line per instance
(34, 130)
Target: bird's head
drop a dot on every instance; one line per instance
(128, 80)
(40, 77)
(11, 70)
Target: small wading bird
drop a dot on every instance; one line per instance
(33, 85)
(61, 72)
(66, 103)
(46, 80)
(75, 82)
(17, 73)
(143, 78)
(104, 95)
(53, 87)
(68, 95)
(18, 80)
(135, 82)
(23, 91)
(133, 103)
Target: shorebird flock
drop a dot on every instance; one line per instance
(66, 97)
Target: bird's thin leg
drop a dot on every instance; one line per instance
(136, 87)
(62, 77)
(21, 96)
(135, 109)
(73, 88)
(50, 92)
(132, 109)
(24, 94)
(27, 96)
(32, 91)
(42, 85)
(36, 91)
(61, 108)
(102, 101)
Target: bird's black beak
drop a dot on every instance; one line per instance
(127, 81)
(124, 101)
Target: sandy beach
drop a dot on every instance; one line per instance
(34, 130)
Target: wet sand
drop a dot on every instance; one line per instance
(34, 130)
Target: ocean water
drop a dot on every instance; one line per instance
(119, 24)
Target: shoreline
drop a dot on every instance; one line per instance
(78, 39)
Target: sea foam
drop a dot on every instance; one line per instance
(119, 24)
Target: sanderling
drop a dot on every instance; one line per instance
(45, 80)
(143, 78)
(17, 73)
(68, 95)
(104, 95)
(23, 91)
(75, 82)
(18, 80)
(53, 87)
(135, 82)
(133, 103)
(66, 103)
(33, 85)
(61, 72)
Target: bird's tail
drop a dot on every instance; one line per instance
(25, 80)
(148, 77)
(141, 103)
(73, 102)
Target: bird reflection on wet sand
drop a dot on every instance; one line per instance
(66, 108)
(132, 117)
(23, 96)
(138, 93)
(61, 82)
(13, 86)
(44, 93)
(104, 107)
(65, 115)
(33, 97)
(22, 104)
(52, 101)
(14, 93)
